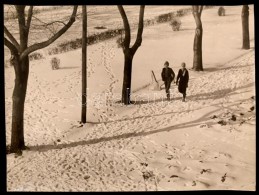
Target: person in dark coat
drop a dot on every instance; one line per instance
(182, 80)
(167, 76)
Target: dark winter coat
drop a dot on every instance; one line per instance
(167, 74)
(183, 80)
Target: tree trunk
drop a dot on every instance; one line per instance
(126, 88)
(129, 52)
(83, 112)
(21, 67)
(197, 49)
(245, 27)
(19, 93)
(197, 45)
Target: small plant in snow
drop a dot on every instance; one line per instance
(149, 176)
(175, 23)
(55, 62)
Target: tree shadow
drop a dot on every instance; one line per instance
(214, 95)
(193, 123)
(203, 96)
(212, 69)
(230, 15)
(187, 29)
(44, 148)
(218, 94)
(142, 102)
(218, 68)
(69, 67)
(203, 119)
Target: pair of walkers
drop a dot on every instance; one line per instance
(182, 79)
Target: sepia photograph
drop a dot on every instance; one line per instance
(126, 98)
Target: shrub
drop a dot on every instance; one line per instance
(221, 11)
(149, 22)
(164, 17)
(35, 56)
(55, 62)
(180, 12)
(175, 23)
(53, 51)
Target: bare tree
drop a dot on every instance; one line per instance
(197, 45)
(245, 27)
(84, 95)
(20, 61)
(130, 51)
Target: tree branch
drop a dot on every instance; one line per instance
(11, 37)
(140, 29)
(41, 45)
(23, 31)
(200, 11)
(196, 16)
(126, 26)
(11, 47)
(30, 13)
(194, 9)
(47, 24)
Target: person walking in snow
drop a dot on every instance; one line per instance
(167, 76)
(182, 80)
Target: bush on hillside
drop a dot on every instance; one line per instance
(164, 17)
(55, 62)
(35, 56)
(221, 11)
(180, 12)
(175, 23)
(149, 22)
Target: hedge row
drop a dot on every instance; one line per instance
(77, 43)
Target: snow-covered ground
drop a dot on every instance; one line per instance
(207, 142)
